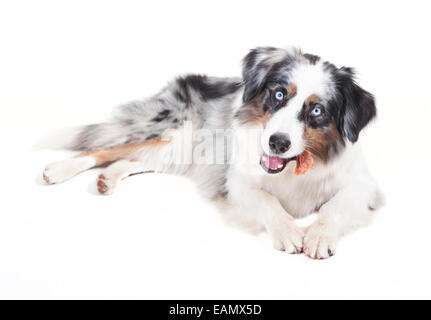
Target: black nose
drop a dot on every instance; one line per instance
(279, 143)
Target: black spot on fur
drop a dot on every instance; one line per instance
(182, 93)
(163, 115)
(152, 136)
(209, 88)
(313, 59)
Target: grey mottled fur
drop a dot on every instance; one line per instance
(207, 101)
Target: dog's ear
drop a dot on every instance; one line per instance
(255, 68)
(358, 106)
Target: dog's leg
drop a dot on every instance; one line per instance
(256, 209)
(109, 179)
(280, 225)
(347, 210)
(61, 171)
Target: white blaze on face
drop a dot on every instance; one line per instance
(286, 121)
(309, 80)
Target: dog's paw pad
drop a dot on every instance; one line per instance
(105, 185)
(101, 184)
(46, 178)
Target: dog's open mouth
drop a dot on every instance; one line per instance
(273, 164)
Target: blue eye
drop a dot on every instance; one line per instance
(317, 111)
(279, 95)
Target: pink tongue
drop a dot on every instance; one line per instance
(273, 162)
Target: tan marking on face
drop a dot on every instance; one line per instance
(314, 98)
(253, 112)
(321, 141)
(121, 151)
(292, 89)
(263, 119)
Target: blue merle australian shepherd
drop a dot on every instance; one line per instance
(277, 144)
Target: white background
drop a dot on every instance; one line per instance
(65, 63)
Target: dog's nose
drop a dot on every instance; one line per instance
(279, 143)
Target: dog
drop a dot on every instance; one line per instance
(287, 106)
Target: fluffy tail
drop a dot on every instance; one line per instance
(185, 98)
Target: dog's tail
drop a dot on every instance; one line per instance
(136, 121)
(87, 137)
(93, 136)
(186, 98)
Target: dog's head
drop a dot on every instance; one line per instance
(304, 103)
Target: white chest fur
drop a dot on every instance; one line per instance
(301, 195)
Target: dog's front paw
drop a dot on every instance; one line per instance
(287, 236)
(318, 242)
